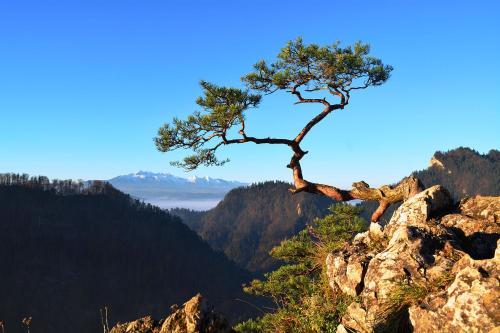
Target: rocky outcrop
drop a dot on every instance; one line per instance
(432, 268)
(470, 304)
(195, 316)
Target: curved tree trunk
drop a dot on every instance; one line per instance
(384, 195)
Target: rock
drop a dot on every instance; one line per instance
(487, 208)
(341, 329)
(470, 304)
(414, 242)
(195, 316)
(477, 225)
(375, 231)
(418, 209)
(345, 273)
(419, 261)
(355, 319)
(143, 325)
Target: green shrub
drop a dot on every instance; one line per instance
(304, 301)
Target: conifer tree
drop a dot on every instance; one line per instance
(305, 71)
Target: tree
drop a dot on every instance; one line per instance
(333, 70)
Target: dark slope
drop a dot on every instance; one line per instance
(65, 256)
(251, 220)
(463, 171)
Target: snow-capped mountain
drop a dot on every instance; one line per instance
(169, 191)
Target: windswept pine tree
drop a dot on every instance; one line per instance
(326, 76)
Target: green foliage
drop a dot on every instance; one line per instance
(223, 108)
(407, 294)
(304, 300)
(331, 69)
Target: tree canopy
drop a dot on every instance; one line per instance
(303, 71)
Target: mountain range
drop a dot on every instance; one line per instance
(168, 191)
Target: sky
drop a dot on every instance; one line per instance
(85, 85)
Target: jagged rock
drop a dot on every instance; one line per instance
(470, 304)
(195, 316)
(143, 325)
(345, 273)
(416, 255)
(481, 207)
(477, 225)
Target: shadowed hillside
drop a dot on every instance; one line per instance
(252, 220)
(67, 251)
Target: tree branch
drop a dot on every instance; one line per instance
(385, 195)
(297, 93)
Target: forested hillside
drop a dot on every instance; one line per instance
(252, 220)
(463, 172)
(68, 249)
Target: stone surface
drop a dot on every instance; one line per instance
(345, 273)
(470, 304)
(477, 225)
(195, 316)
(487, 208)
(143, 325)
(420, 271)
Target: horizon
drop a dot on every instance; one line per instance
(85, 87)
(190, 176)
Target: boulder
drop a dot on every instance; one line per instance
(195, 316)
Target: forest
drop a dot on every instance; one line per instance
(69, 250)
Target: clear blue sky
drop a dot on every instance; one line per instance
(84, 85)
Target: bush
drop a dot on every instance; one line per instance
(304, 301)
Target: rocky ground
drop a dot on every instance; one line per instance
(432, 268)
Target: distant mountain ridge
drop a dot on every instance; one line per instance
(157, 177)
(168, 191)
